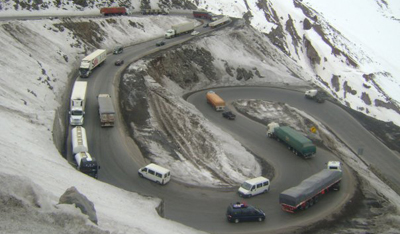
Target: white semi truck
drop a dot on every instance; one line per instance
(85, 163)
(91, 61)
(78, 102)
(106, 110)
(179, 29)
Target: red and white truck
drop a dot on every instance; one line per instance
(310, 190)
(216, 101)
(91, 61)
(113, 11)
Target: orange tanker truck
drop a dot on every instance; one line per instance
(216, 101)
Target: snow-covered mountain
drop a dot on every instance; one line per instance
(350, 56)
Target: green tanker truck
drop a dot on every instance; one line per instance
(296, 141)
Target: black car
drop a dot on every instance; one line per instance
(239, 212)
(118, 50)
(228, 115)
(119, 62)
(160, 43)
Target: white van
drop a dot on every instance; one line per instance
(155, 173)
(254, 187)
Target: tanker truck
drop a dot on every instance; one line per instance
(178, 29)
(92, 61)
(216, 101)
(295, 141)
(85, 163)
(310, 190)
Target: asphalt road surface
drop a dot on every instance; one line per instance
(204, 208)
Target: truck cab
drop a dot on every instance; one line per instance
(334, 166)
(271, 128)
(170, 33)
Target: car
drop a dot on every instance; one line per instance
(239, 212)
(194, 33)
(118, 50)
(160, 43)
(119, 62)
(228, 115)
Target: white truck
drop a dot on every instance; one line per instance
(179, 29)
(314, 94)
(85, 163)
(91, 61)
(78, 102)
(219, 22)
(106, 110)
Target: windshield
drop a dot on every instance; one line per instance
(76, 112)
(246, 186)
(83, 71)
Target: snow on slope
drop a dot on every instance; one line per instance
(35, 61)
(338, 51)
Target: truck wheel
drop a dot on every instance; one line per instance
(311, 202)
(236, 220)
(307, 205)
(269, 135)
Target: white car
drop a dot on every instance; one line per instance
(194, 33)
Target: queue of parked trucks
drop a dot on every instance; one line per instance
(300, 197)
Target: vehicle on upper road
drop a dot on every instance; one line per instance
(106, 110)
(239, 212)
(78, 103)
(119, 62)
(216, 101)
(156, 173)
(296, 141)
(91, 61)
(194, 33)
(155, 12)
(204, 15)
(223, 20)
(160, 43)
(113, 11)
(229, 115)
(310, 190)
(254, 187)
(118, 50)
(314, 95)
(179, 29)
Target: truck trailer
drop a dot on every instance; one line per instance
(216, 101)
(78, 102)
(204, 15)
(296, 142)
(155, 12)
(91, 61)
(106, 110)
(85, 163)
(79, 141)
(310, 190)
(113, 11)
(179, 29)
(219, 22)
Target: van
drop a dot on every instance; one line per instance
(254, 187)
(155, 173)
(118, 50)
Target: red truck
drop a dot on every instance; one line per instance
(113, 11)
